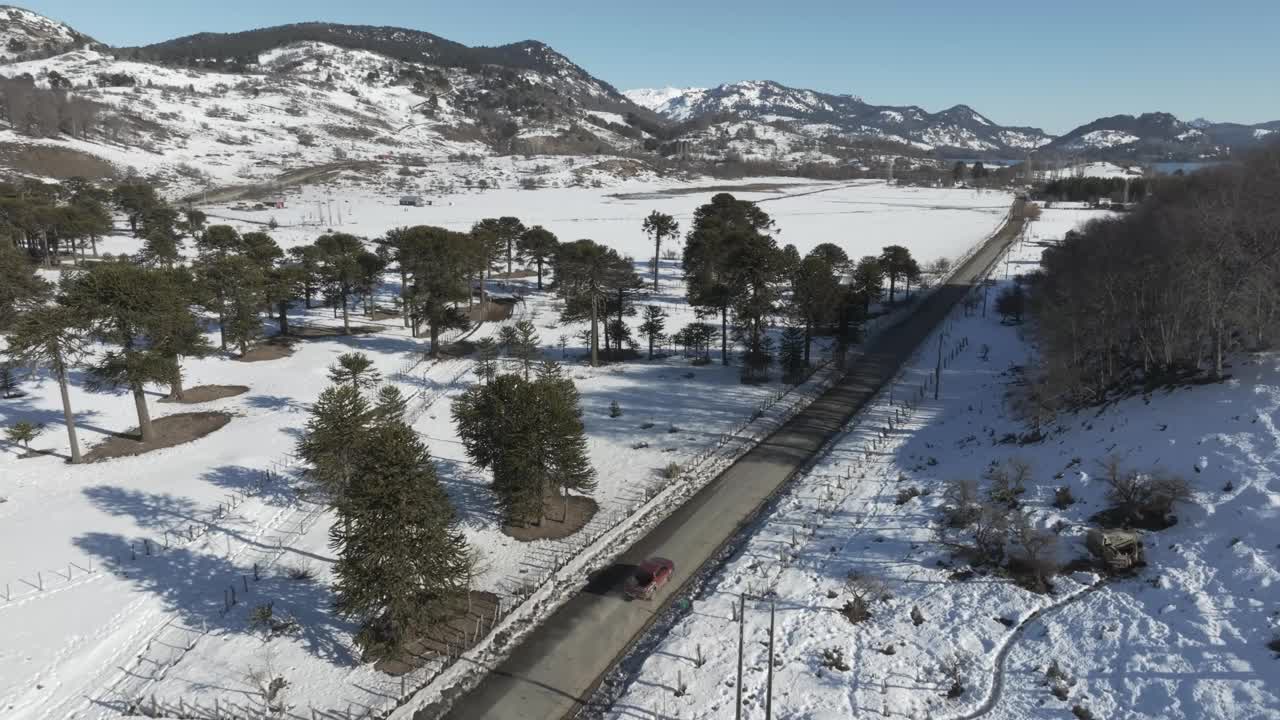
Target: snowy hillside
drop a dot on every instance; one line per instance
(24, 33)
(1158, 135)
(314, 105)
(1185, 637)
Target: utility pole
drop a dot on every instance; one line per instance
(768, 688)
(742, 625)
(937, 373)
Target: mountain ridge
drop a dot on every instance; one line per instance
(383, 91)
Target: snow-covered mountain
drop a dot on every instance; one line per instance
(27, 34)
(957, 129)
(1159, 135)
(657, 99)
(264, 105)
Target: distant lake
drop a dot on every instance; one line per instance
(985, 163)
(1169, 168)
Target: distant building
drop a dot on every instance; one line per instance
(412, 200)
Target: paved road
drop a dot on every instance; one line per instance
(556, 668)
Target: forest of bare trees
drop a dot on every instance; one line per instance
(46, 112)
(1167, 292)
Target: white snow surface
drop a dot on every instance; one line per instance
(117, 574)
(1099, 169)
(656, 98)
(1107, 138)
(1184, 638)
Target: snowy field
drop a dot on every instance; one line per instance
(860, 216)
(117, 586)
(1185, 638)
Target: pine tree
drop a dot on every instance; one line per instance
(356, 370)
(655, 321)
(329, 444)
(402, 560)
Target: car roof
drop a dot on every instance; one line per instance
(654, 563)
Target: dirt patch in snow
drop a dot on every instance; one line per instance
(272, 349)
(560, 521)
(313, 332)
(170, 430)
(55, 162)
(448, 637)
(206, 393)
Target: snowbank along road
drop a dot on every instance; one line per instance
(553, 672)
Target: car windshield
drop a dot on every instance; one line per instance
(643, 576)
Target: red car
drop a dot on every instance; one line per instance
(651, 575)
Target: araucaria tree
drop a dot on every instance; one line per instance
(509, 230)
(896, 263)
(132, 309)
(538, 245)
(727, 234)
(402, 559)
(342, 270)
(816, 293)
(757, 259)
(20, 283)
(587, 276)
(436, 263)
(486, 248)
(659, 226)
(791, 352)
(655, 322)
(50, 337)
(354, 369)
(530, 433)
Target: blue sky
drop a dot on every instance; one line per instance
(1049, 64)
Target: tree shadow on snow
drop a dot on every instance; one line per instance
(195, 585)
